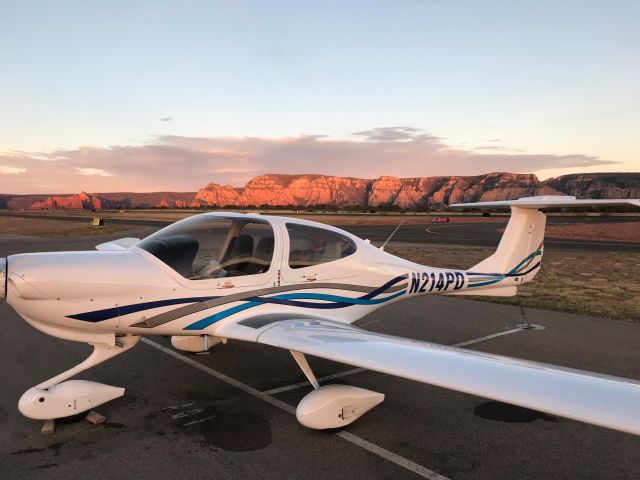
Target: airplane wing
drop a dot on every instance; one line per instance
(549, 201)
(603, 400)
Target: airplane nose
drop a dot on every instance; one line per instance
(3, 279)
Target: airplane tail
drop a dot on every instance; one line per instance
(519, 254)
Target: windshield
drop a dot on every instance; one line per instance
(208, 246)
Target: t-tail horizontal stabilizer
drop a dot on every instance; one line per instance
(550, 201)
(519, 254)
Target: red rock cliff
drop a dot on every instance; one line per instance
(406, 193)
(272, 189)
(79, 201)
(384, 192)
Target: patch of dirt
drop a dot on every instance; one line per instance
(623, 232)
(54, 228)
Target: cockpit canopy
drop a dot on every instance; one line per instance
(208, 246)
(213, 246)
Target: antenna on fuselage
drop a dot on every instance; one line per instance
(392, 234)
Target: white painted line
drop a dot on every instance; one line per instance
(392, 457)
(488, 337)
(176, 407)
(179, 415)
(370, 322)
(354, 371)
(428, 230)
(199, 421)
(349, 437)
(346, 373)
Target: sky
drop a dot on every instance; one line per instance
(159, 95)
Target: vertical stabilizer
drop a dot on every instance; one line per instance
(519, 245)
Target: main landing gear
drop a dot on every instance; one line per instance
(332, 406)
(57, 398)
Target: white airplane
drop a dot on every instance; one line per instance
(296, 285)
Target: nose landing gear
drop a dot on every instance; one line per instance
(57, 398)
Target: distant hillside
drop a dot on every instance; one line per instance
(598, 185)
(4, 199)
(343, 192)
(98, 201)
(404, 193)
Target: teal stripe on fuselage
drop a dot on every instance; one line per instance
(501, 277)
(336, 298)
(530, 256)
(211, 319)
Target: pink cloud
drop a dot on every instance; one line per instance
(179, 163)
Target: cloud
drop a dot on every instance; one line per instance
(9, 170)
(166, 119)
(389, 134)
(496, 148)
(93, 171)
(180, 163)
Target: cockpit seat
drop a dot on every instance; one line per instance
(302, 253)
(262, 256)
(331, 252)
(239, 254)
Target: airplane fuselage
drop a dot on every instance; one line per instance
(69, 294)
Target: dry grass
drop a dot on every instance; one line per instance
(628, 231)
(53, 228)
(594, 283)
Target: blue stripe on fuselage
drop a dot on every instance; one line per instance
(107, 313)
(338, 302)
